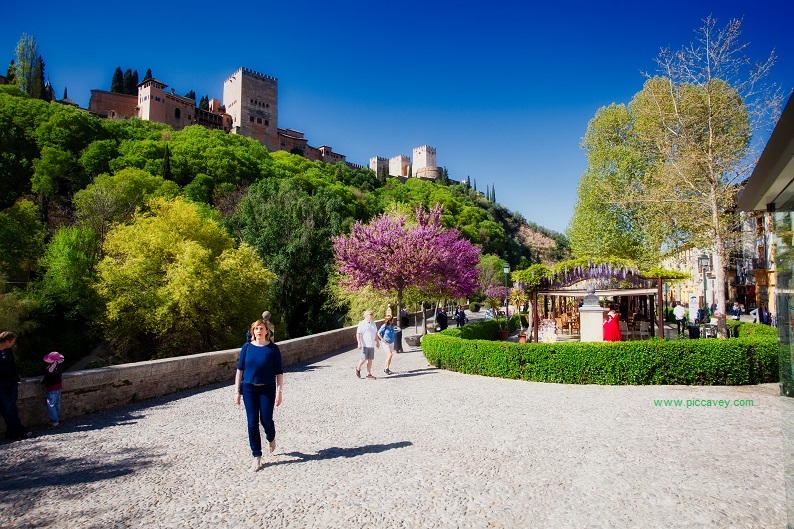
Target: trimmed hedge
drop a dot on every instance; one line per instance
(752, 358)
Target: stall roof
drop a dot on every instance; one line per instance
(602, 293)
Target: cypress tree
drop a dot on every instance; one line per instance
(204, 104)
(127, 81)
(117, 84)
(191, 94)
(493, 194)
(11, 75)
(38, 88)
(475, 184)
(65, 93)
(134, 83)
(166, 173)
(148, 74)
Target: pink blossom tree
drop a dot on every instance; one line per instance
(391, 255)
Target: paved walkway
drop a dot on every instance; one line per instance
(423, 448)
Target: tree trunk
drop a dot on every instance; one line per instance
(719, 268)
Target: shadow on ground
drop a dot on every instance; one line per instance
(337, 452)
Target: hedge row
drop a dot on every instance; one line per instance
(752, 358)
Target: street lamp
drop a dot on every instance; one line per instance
(703, 262)
(506, 270)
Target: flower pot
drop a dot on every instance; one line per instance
(504, 335)
(522, 338)
(413, 341)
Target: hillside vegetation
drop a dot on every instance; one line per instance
(161, 242)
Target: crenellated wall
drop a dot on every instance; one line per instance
(94, 390)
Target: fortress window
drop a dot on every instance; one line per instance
(267, 105)
(177, 113)
(259, 120)
(252, 101)
(252, 119)
(267, 122)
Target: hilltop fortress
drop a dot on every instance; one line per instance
(423, 166)
(250, 108)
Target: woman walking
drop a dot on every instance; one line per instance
(259, 381)
(386, 333)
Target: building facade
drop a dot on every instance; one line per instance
(251, 98)
(423, 165)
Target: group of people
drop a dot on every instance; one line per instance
(9, 388)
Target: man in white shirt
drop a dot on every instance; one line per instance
(680, 317)
(368, 339)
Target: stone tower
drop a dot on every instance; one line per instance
(151, 97)
(424, 156)
(425, 163)
(251, 98)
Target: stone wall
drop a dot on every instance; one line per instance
(103, 103)
(94, 390)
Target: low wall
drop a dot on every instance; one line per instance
(93, 390)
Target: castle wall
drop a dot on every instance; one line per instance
(104, 103)
(251, 98)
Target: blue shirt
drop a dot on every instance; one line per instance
(387, 333)
(260, 364)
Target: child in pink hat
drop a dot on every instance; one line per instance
(52, 384)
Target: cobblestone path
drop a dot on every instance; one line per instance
(422, 448)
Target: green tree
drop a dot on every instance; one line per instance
(22, 239)
(290, 223)
(166, 172)
(96, 157)
(173, 279)
(696, 121)
(204, 104)
(117, 84)
(148, 75)
(134, 88)
(601, 227)
(55, 173)
(40, 89)
(27, 67)
(127, 83)
(114, 199)
(191, 94)
(11, 74)
(69, 264)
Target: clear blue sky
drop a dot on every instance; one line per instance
(503, 90)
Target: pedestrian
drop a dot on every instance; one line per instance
(270, 327)
(460, 316)
(368, 339)
(763, 315)
(736, 311)
(403, 317)
(52, 385)
(9, 388)
(260, 382)
(441, 320)
(386, 333)
(680, 317)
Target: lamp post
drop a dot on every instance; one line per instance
(703, 262)
(506, 270)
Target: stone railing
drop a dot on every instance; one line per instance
(93, 390)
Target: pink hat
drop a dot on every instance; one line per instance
(53, 358)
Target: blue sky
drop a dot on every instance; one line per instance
(503, 90)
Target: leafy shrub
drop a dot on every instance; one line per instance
(474, 307)
(751, 358)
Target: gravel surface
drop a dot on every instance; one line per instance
(421, 448)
